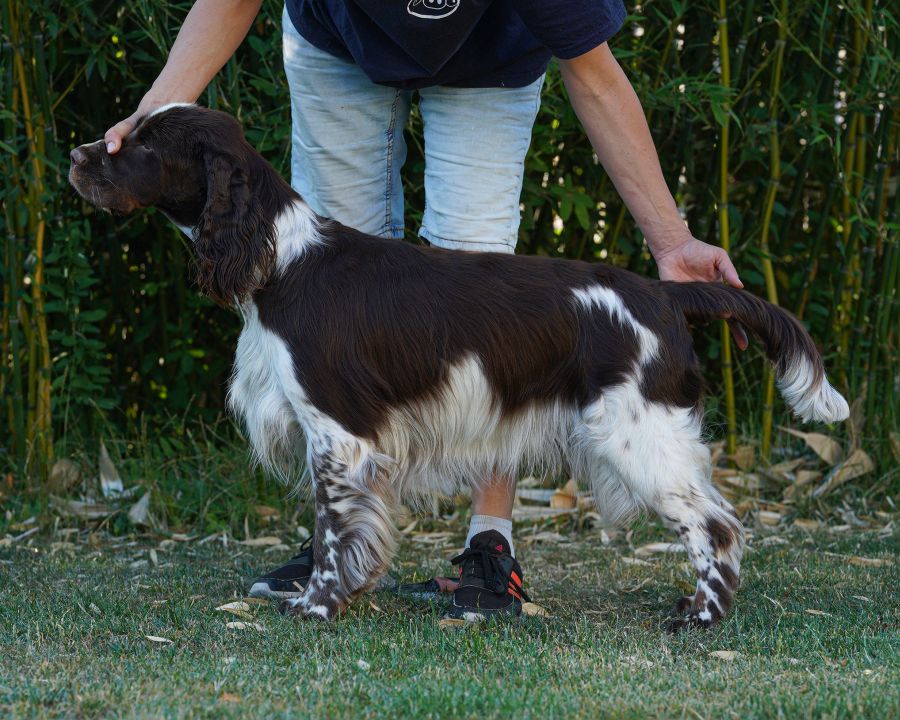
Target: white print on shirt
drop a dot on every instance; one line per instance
(432, 9)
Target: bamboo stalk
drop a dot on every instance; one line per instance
(772, 191)
(724, 237)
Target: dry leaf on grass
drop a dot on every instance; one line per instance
(859, 463)
(728, 655)
(157, 639)
(634, 561)
(533, 610)
(658, 547)
(362, 665)
(769, 517)
(452, 623)
(263, 541)
(229, 697)
(806, 524)
(254, 601)
(825, 447)
(811, 611)
(862, 561)
(245, 626)
(239, 608)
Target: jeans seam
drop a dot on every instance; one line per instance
(390, 164)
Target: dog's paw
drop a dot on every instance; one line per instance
(304, 609)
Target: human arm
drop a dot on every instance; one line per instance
(614, 121)
(211, 32)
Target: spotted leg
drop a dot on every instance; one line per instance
(650, 455)
(354, 537)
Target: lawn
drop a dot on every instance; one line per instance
(815, 633)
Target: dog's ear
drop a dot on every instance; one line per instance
(235, 242)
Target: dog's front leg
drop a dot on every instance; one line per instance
(354, 537)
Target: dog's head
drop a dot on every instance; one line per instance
(195, 165)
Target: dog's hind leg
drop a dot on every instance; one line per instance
(354, 536)
(650, 455)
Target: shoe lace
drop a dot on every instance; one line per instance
(304, 548)
(495, 577)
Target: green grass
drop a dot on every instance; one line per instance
(73, 621)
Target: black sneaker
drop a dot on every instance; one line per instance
(434, 589)
(289, 580)
(490, 580)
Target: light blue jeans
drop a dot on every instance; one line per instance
(348, 150)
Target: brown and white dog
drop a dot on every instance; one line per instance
(412, 371)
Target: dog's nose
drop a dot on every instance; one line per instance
(79, 156)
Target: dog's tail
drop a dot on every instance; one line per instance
(798, 365)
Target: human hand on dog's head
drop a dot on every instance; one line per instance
(118, 132)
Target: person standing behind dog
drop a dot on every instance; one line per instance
(478, 67)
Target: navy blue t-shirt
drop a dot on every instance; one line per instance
(464, 43)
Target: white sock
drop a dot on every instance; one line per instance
(480, 523)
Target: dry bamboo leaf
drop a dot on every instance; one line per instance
(863, 561)
(784, 469)
(769, 517)
(64, 476)
(263, 541)
(728, 655)
(539, 513)
(375, 607)
(154, 558)
(546, 536)
(245, 626)
(811, 611)
(658, 547)
(536, 495)
(804, 477)
(157, 639)
(806, 524)
(83, 510)
(139, 513)
(110, 482)
(825, 447)
(452, 623)
(634, 561)
(744, 456)
(239, 608)
(229, 697)
(859, 463)
(409, 528)
(533, 610)
(563, 501)
(265, 511)
(254, 601)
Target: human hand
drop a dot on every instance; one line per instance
(695, 260)
(118, 132)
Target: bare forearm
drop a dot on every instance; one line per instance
(614, 122)
(212, 31)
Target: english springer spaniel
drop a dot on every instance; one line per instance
(411, 370)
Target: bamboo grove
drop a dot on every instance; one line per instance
(776, 124)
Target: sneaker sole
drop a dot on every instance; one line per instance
(480, 615)
(262, 590)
